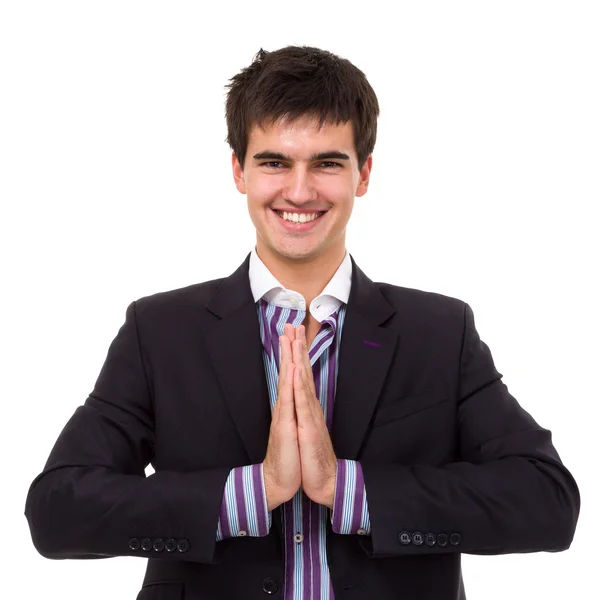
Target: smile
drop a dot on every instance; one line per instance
(299, 225)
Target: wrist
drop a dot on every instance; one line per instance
(271, 496)
(330, 495)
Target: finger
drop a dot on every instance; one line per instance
(288, 330)
(282, 355)
(284, 358)
(301, 334)
(284, 412)
(288, 410)
(304, 408)
(302, 359)
(285, 383)
(284, 344)
(290, 336)
(305, 357)
(297, 353)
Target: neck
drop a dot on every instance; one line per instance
(307, 276)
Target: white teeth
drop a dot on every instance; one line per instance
(295, 218)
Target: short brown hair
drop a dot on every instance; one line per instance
(299, 81)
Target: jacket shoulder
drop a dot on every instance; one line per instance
(427, 315)
(425, 301)
(178, 302)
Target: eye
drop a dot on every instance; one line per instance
(329, 164)
(273, 164)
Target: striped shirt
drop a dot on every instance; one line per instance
(244, 508)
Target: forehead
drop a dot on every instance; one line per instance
(301, 135)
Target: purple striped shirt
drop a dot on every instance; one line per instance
(244, 506)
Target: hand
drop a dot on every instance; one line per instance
(281, 467)
(317, 457)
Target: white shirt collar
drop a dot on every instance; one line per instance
(265, 285)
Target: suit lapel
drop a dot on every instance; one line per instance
(236, 352)
(366, 352)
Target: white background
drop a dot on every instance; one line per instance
(115, 184)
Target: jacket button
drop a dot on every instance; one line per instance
(146, 544)
(417, 538)
(455, 539)
(405, 538)
(158, 545)
(183, 545)
(270, 586)
(134, 544)
(442, 539)
(171, 545)
(430, 539)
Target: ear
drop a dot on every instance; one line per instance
(238, 174)
(365, 173)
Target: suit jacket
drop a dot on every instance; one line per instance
(452, 463)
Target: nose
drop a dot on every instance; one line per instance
(298, 186)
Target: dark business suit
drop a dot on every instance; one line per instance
(452, 463)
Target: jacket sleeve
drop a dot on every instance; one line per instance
(93, 499)
(508, 492)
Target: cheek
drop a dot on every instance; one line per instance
(338, 190)
(263, 188)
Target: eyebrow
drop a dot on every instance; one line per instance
(320, 156)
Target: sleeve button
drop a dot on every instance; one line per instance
(134, 544)
(417, 538)
(455, 539)
(171, 545)
(159, 545)
(146, 544)
(405, 538)
(183, 545)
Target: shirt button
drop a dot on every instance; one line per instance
(362, 532)
(242, 533)
(298, 538)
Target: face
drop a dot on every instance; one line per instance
(298, 168)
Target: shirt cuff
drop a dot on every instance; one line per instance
(244, 506)
(350, 513)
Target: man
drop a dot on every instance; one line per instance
(314, 434)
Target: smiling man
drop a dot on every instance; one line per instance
(314, 434)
